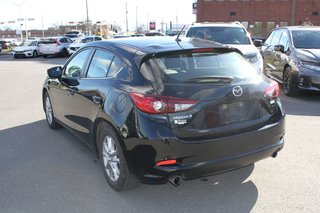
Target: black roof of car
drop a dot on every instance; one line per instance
(147, 45)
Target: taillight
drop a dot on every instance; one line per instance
(166, 162)
(57, 42)
(272, 90)
(203, 50)
(154, 104)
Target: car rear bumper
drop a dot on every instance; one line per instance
(50, 52)
(162, 174)
(203, 158)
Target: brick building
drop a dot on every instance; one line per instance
(260, 16)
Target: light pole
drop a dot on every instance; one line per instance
(18, 5)
(87, 17)
(127, 27)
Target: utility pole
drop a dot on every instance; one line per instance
(293, 12)
(162, 23)
(42, 27)
(87, 17)
(19, 5)
(136, 19)
(25, 21)
(127, 27)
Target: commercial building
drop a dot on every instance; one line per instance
(260, 16)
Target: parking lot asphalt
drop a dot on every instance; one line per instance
(44, 170)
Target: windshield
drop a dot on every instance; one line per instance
(203, 67)
(27, 43)
(306, 39)
(224, 35)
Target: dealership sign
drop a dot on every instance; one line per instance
(152, 25)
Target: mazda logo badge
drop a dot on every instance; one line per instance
(237, 91)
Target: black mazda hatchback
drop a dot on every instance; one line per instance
(162, 109)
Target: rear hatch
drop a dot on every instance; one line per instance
(226, 94)
(50, 43)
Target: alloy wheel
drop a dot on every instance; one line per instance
(111, 160)
(287, 81)
(48, 108)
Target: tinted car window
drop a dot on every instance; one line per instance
(86, 40)
(63, 40)
(100, 64)
(204, 67)
(276, 37)
(306, 39)
(97, 39)
(49, 41)
(75, 66)
(224, 35)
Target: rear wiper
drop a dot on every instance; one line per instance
(211, 79)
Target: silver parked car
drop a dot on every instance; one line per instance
(79, 42)
(55, 46)
(29, 48)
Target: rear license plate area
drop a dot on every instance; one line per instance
(233, 112)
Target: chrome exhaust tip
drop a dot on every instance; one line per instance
(175, 180)
(274, 154)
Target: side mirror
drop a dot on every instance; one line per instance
(279, 47)
(257, 42)
(55, 72)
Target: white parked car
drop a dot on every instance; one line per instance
(29, 48)
(233, 34)
(55, 46)
(79, 42)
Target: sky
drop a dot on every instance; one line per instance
(56, 12)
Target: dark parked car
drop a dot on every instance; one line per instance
(154, 34)
(158, 109)
(3, 45)
(292, 57)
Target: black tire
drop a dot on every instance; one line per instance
(64, 53)
(35, 54)
(118, 175)
(47, 106)
(289, 86)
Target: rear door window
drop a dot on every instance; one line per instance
(104, 64)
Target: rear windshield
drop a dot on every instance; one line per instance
(306, 39)
(49, 41)
(204, 67)
(224, 35)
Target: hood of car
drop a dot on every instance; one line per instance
(245, 49)
(312, 55)
(24, 48)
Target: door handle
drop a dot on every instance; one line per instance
(97, 99)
